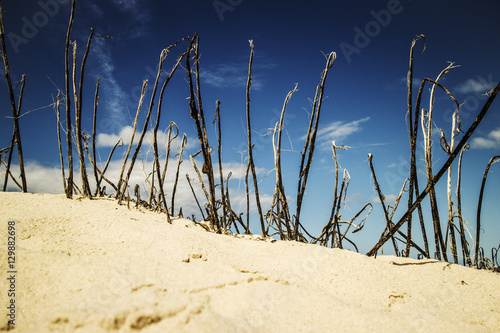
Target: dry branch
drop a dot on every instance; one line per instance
(141, 100)
(69, 142)
(465, 245)
(224, 221)
(333, 222)
(96, 99)
(449, 148)
(14, 139)
(250, 146)
(194, 195)
(200, 178)
(15, 111)
(167, 155)
(8, 173)
(179, 161)
(279, 198)
(334, 216)
(155, 131)
(427, 133)
(101, 173)
(413, 129)
(493, 93)
(382, 202)
(78, 128)
(58, 99)
(196, 112)
(163, 56)
(413, 172)
(78, 109)
(494, 159)
(308, 152)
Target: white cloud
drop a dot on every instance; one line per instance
(388, 199)
(109, 140)
(357, 197)
(338, 131)
(495, 135)
(48, 179)
(479, 86)
(491, 141)
(40, 178)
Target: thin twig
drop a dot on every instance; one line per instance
(96, 98)
(465, 245)
(494, 159)
(58, 99)
(155, 131)
(179, 161)
(69, 142)
(249, 136)
(493, 93)
(194, 195)
(382, 201)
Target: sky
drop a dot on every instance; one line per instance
(365, 105)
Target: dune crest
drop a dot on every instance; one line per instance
(95, 266)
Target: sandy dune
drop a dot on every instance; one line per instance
(94, 266)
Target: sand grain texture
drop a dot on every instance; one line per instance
(94, 266)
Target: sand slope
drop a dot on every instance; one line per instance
(94, 266)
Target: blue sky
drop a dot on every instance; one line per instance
(365, 107)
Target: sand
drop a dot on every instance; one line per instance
(95, 266)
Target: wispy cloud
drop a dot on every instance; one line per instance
(235, 75)
(114, 98)
(480, 85)
(379, 144)
(492, 140)
(338, 131)
(137, 15)
(125, 4)
(96, 10)
(227, 75)
(138, 24)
